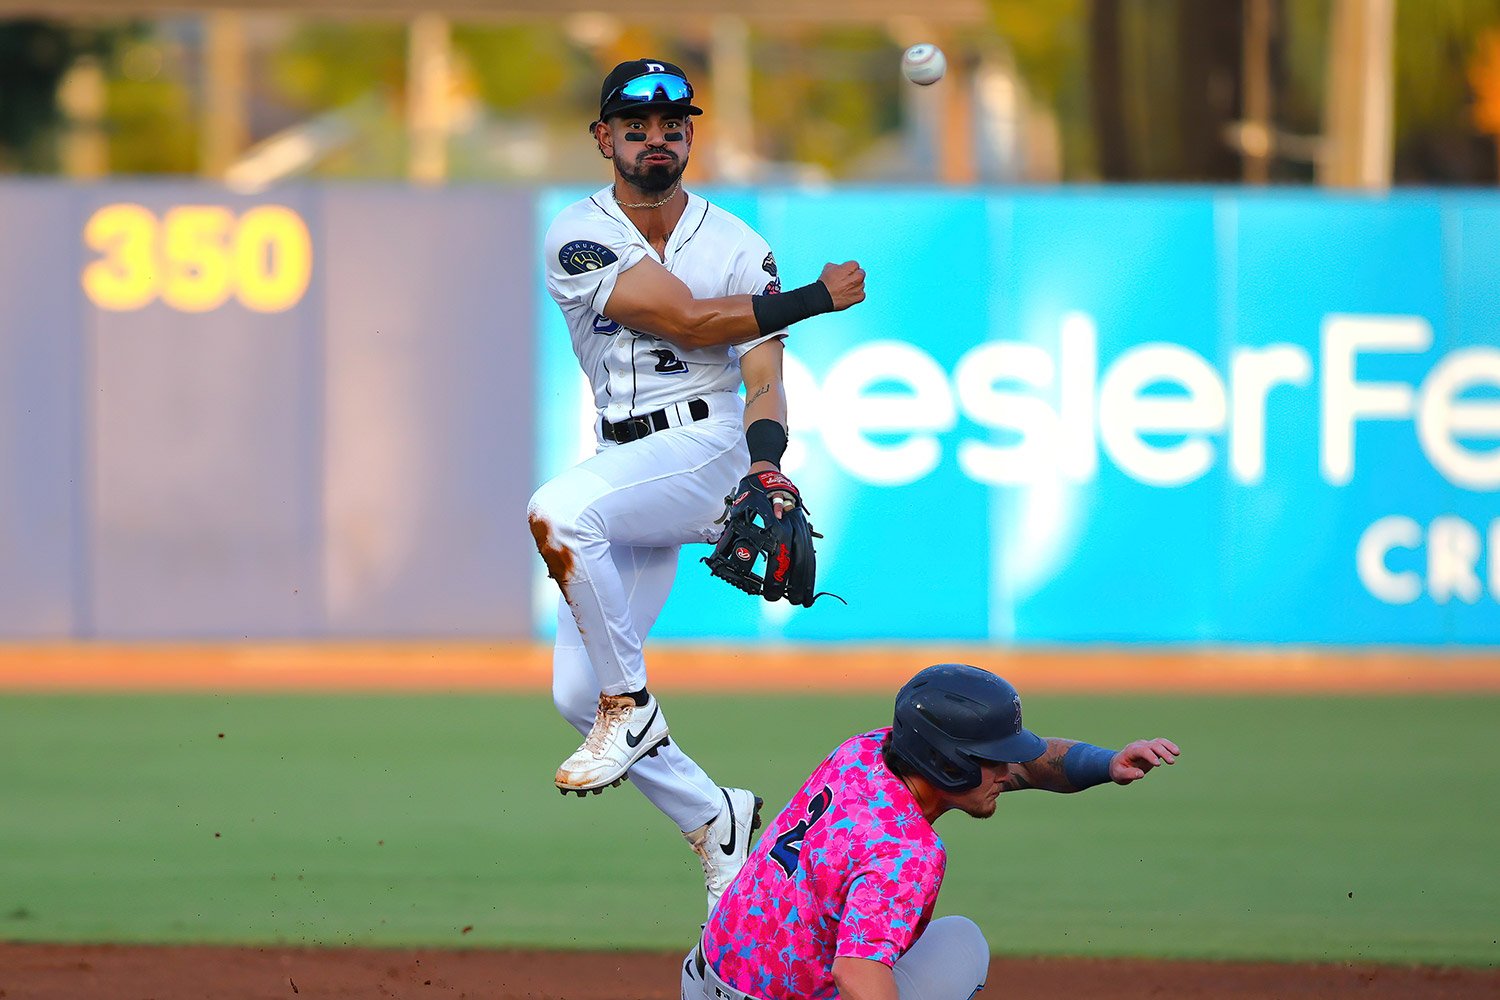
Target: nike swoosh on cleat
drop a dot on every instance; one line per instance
(635, 741)
(729, 847)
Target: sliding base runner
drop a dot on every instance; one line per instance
(838, 895)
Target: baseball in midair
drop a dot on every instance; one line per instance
(923, 64)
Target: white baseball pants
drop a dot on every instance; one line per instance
(950, 961)
(614, 525)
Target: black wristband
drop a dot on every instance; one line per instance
(777, 312)
(767, 441)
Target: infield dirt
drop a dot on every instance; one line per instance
(113, 972)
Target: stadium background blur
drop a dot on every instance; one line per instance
(1178, 373)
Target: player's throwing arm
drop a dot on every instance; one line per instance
(650, 298)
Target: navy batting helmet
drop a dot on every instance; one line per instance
(951, 717)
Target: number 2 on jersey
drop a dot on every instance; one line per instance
(787, 851)
(667, 363)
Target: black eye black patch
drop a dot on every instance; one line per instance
(672, 136)
(635, 137)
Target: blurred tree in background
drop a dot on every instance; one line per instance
(34, 58)
(151, 115)
(524, 92)
(1134, 90)
(1299, 66)
(828, 111)
(355, 70)
(531, 90)
(1438, 140)
(526, 69)
(1049, 43)
(517, 89)
(1141, 90)
(1484, 77)
(1144, 89)
(146, 117)
(330, 64)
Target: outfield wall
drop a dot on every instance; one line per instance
(1076, 416)
(303, 415)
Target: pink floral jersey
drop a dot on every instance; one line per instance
(850, 868)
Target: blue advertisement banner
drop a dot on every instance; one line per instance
(1125, 416)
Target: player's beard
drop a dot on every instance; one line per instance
(982, 809)
(653, 178)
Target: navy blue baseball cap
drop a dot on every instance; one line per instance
(651, 83)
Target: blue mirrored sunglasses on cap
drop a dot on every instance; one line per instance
(653, 87)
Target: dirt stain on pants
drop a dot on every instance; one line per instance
(557, 557)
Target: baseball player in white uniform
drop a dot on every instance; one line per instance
(672, 303)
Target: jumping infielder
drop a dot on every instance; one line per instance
(671, 303)
(837, 897)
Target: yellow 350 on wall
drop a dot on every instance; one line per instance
(194, 258)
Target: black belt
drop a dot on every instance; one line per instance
(635, 428)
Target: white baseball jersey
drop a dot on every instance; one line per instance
(592, 242)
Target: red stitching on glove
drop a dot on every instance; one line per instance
(783, 563)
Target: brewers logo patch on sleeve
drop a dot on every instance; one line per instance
(581, 256)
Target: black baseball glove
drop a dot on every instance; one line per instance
(752, 531)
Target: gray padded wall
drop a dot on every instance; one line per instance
(206, 430)
(428, 441)
(41, 363)
(357, 463)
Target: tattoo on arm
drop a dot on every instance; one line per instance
(758, 393)
(1046, 772)
(1015, 781)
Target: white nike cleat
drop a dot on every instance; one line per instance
(623, 733)
(723, 844)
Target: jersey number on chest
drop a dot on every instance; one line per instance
(667, 363)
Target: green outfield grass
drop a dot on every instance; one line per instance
(1328, 829)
